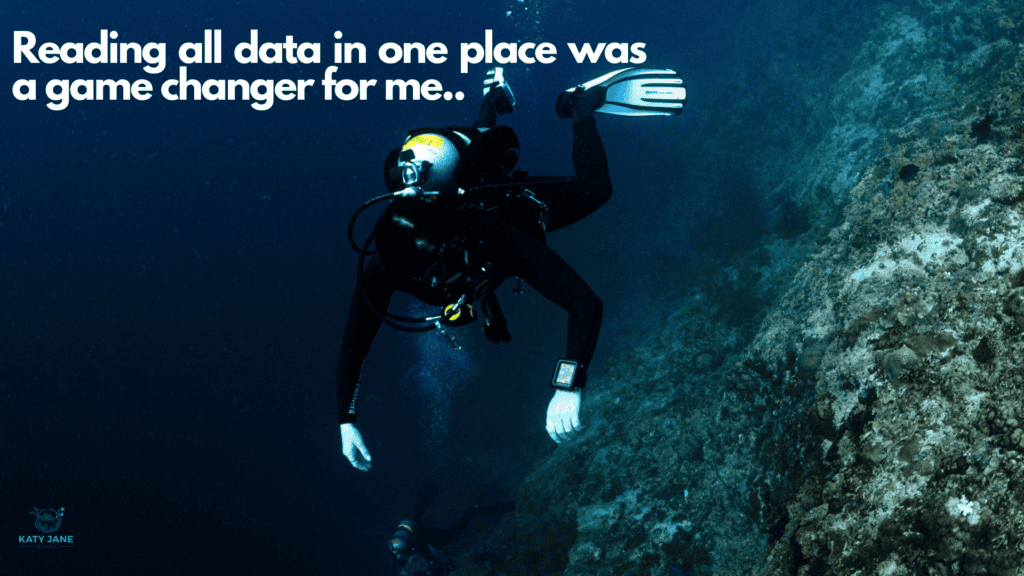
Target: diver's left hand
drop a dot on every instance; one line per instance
(564, 415)
(498, 93)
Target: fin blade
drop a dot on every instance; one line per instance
(600, 80)
(615, 109)
(643, 92)
(640, 92)
(654, 94)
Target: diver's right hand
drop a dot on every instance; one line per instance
(354, 448)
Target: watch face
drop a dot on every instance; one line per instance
(566, 371)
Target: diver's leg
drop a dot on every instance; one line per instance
(591, 189)
(446, 537)
(426, 495)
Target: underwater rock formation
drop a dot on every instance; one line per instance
(866, 417)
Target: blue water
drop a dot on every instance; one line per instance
(439, 369)
(174, 280)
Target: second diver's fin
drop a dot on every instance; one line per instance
(639, 92)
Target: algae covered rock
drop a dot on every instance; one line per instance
(860, 412)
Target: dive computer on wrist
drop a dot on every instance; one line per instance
(565, 375)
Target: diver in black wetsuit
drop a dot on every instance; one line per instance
(467, 225)
(420, 551)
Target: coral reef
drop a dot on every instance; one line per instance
(863, 415)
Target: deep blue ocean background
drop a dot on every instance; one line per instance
(175, 277)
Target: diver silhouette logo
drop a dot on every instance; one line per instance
(48, 520)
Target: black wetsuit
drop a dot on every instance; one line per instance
(514, 249)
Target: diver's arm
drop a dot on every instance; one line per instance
(486, 115)
(494, 102)
(545, 270)
(540, 267)
(360, 330)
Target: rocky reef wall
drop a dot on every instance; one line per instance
(841, 393)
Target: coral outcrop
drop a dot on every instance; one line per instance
(862, 414)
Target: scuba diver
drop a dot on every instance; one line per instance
(460, 221)
(419, 551)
